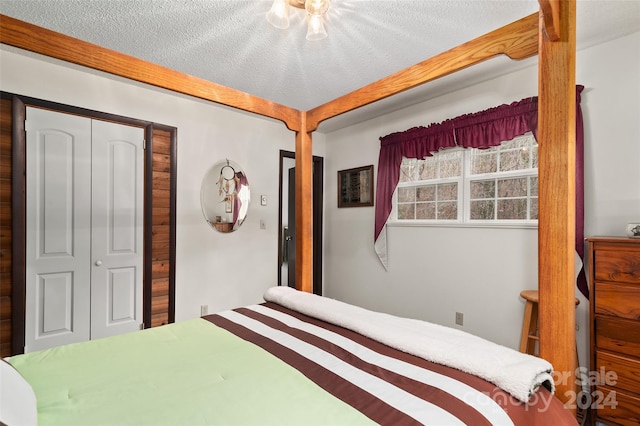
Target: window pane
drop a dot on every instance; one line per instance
(426, 211)
(450, 164)
(513, 143)
(428, 168)
(406, 211)
(519, 142)
(534, 156)
(512, 208)
(407, 170)
(514, 160)
(533, 213)
(512, 187)
(448, 210)
(482, 210)
(426, 193)
(406, 195)
(483, 189)
(484, 163)
(448, 191)
(534, 186)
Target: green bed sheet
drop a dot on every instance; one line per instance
(188, 373)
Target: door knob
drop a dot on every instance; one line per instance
(98, 262)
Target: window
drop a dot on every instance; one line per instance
(498, 185)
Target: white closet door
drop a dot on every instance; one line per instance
(85, 188)
(117, 229)
(58, 156)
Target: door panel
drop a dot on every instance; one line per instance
(58, 259)
(55, 303)
(122, 295)
(55, 195)
(117, 229)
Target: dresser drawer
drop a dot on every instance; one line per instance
(617, 335)
(627, 371)
(618, 265)
(621, 300)
(619, 407)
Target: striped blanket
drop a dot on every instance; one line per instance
(387, 385)
(519, 374)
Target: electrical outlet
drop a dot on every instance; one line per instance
(263, 224)
(459, 318)
(204, 310)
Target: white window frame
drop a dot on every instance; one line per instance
(464, 201)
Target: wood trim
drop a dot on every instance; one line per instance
(147, 272)
(556, 223)
(517, 40)
(18, 225)
(318, 188)
(6, 232)
(283, 154)
(173, 223)
(40, 40)
(162, 175)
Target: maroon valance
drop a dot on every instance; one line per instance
(482, 129)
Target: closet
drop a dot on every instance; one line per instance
(84, 228)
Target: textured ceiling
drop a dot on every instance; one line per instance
(230, 42)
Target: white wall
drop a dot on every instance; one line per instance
(611, 73)
(220, 270)
(437, 271)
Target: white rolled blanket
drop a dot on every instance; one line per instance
(516, 373)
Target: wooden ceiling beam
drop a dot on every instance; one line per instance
(23, 35)
(517, 40)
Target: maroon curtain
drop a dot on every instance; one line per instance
(482, 129)
(418, 142)
(581, 279)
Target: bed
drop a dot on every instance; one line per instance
(549, 34)
(297, 358)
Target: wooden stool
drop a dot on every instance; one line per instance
(529, 335)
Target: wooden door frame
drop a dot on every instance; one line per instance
(318, 207)
(18, 209)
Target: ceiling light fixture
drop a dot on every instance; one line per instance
(278, 15)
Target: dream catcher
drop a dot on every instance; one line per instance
(228, 184)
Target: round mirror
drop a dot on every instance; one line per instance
(224, 196)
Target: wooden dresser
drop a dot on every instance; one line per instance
(614, 276)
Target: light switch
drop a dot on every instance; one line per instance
(263, 200)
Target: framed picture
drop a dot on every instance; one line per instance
(355, 187)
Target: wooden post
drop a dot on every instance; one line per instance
(304, 208)
(556, 223)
